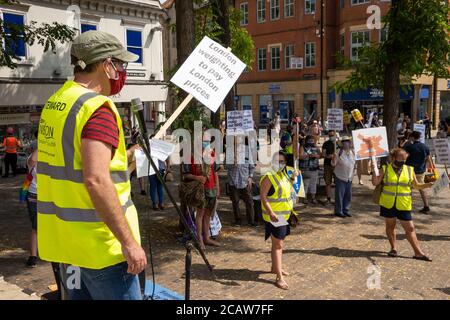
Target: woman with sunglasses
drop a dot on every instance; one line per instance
(277, 205)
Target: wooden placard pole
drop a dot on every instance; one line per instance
(174, 115)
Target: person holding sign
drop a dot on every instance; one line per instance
(344, 167)
(328, 150)
(309, 165)
(277, 206)
(397, 180)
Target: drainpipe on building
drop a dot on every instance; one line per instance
(434, 116)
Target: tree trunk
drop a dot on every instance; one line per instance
(392, 87)
(185, 32)
(221, 11)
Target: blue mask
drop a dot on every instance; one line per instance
(205, 144)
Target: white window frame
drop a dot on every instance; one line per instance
(19, 13)
(271, 47)
(96, 24)
(290, 4)
(357, 45)
(261, 8)
(260, 59)
(272, 6)
(308, 4)
(244, 17)
(359, 2)
(311, 54)
(287, 58)
(141, 30)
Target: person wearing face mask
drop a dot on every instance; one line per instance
(276, 199)
(86, 216)
(309, 165)
(344, 168)
(397, 180)
(328, 150)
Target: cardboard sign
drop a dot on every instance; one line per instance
(441, 184)
(356, 114)
(442, 149)
(209, 73)
(346, 118)
(335, 119)
(239, 122)
(422, 129)
(371, 142)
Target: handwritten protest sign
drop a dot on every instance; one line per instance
(239, 122)
(442, 149)
(335, 119)
(420, 128)
(209, 73)
(441, 184)
(370, 142)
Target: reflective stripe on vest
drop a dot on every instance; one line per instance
(68, 172)
(395, 188)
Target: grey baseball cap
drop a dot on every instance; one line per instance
(93, 46)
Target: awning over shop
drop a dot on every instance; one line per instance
(372, 94)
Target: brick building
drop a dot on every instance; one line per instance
(285, 76)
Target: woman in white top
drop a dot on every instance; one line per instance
(344, 166)
(32, 208)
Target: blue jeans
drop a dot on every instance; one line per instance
(156, 189)
(110, 283)
(343, 196)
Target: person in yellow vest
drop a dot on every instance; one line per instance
(277, 205)
(86, 219)
(397, 180)
(11, 144)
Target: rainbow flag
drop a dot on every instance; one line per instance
(23, 193)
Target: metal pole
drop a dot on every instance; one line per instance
(187, 268)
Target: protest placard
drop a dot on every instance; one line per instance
(430, 145)
(239, 122)
(143, 167)
(422, 129)
(441, 184)
(356, 114)
(160, 149)
(369, 123)
(370, 142)
(346, 118)
(335, 119)
(442, 149)
(209, 73)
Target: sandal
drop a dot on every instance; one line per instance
(393, 254)
(281, 285)
(284, 273)
(423, 258)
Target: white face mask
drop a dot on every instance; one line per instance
(276, 166)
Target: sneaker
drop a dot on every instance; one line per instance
(340, 215)
(31, 262)
(425, 210)
(347, 215)
(155, 207)
(161, 207)
(361, 183)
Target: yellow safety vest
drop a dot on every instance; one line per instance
(280, 201)
(397, 189)
(69, 229)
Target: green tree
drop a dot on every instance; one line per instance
(417, 44)
(48, 35)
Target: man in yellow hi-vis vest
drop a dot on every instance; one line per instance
(86, 219)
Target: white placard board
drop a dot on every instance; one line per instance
(239, 121)
(143, 167)
(370, 142)
(442, 149)
(209, 73)
(422, 129)
(441, 184)
(430, 145)
(369, 123)
(335, 119)
(161, 149)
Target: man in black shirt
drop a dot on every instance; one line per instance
(328, 149)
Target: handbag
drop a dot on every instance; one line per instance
(432, 175)
(293, 220)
